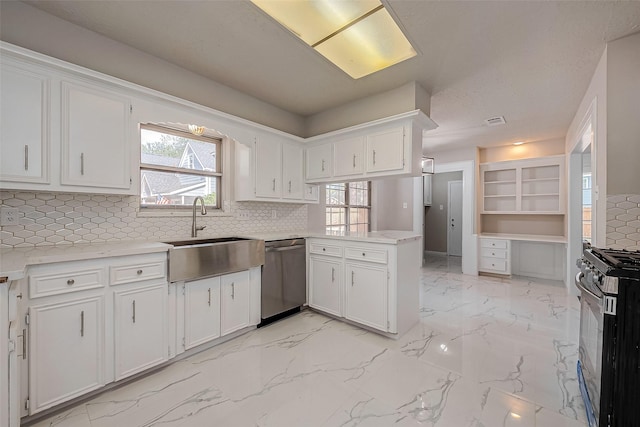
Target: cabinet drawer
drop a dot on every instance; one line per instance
(322, 249)
(137, 272)
(366, 254)
(494, 253)
(493, 265)
(494, 243)
(60, 282)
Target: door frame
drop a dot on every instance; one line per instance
(574, 190)
(449, 215)
(469, 237)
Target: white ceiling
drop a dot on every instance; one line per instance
(529, 61)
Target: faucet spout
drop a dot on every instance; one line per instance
(203, 211)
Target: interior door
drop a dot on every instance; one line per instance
(454, 232)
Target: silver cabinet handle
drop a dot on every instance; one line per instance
(289, 186)
(24, 344)
(322, 165)
(82, 323)
(374, 157)
(333, 274)
(274, 184)
(82, 163)
(233, 290)
(353, 273)
(70, 282)
(209, 302)
(26, 157)
(354, 161)
(139, 272)
(134, 312)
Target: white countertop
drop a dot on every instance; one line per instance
(386, 236)
(14, 261)
(525, 237)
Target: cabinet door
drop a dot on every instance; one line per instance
(202, 311)
(95, 142)
(312, 193)
(366, 295)
(234, 306)
(24, 125)
(67, 351)
(325, 283)
(385, 150)
(348, 157)
(292, 164)
(141, 339)
(319, 161)
(268, 168)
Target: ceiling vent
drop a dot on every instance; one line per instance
(495, 121)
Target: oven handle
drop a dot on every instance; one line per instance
(580, 286)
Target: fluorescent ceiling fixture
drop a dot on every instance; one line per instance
(518, 143)
(360, 37)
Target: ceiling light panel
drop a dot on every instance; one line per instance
(368, 46)
(360, 37)
(313, 20)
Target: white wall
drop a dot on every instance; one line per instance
(408, 97)
(623, 116)
(28, 27)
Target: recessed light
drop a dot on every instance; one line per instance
(518, 143)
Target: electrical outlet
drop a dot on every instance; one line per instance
(243, 216)
(9, 216)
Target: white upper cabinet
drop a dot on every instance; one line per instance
(292, 177)
(385, 150)
(271, 169)
(387, 147)
(348, 157)
(24, 123)
(63, 128)
(318, 162)
(95, 143)
(268, 158)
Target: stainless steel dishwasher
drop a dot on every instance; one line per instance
(284, 279)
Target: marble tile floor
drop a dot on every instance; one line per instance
(487, 352)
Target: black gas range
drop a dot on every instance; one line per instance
(609, 354)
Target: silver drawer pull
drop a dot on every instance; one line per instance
(133, 317)
(374, 157)
(81, 163)
(353, 273)
(139, 272)
(82, 323)
(233, 290)
(209, 302)
(289, 186)
(333, 274)
(274, 184)
(26, 157)
(354, 161)
(70, 282)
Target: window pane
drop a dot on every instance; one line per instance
(167, 188)
(335, 194)
(177, 151)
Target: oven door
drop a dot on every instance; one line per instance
(596, 351)
(590, 351)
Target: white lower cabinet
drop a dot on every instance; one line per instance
(202, 311)
(66, 341)
(141, 339)
(325, 284)
(234, 302)
(495, 256)
(371, 284)
(366, 295)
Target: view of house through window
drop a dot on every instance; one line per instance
(348, 207)
(176, 167)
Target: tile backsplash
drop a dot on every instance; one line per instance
(623, 222)
(66, 218)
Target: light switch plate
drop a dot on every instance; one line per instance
(9, 216)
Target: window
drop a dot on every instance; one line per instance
(176, 167)
(586, 207)
(348, 207)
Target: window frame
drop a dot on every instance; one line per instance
(183, 133)
(347, 206)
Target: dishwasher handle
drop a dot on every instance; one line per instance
(285, 248)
